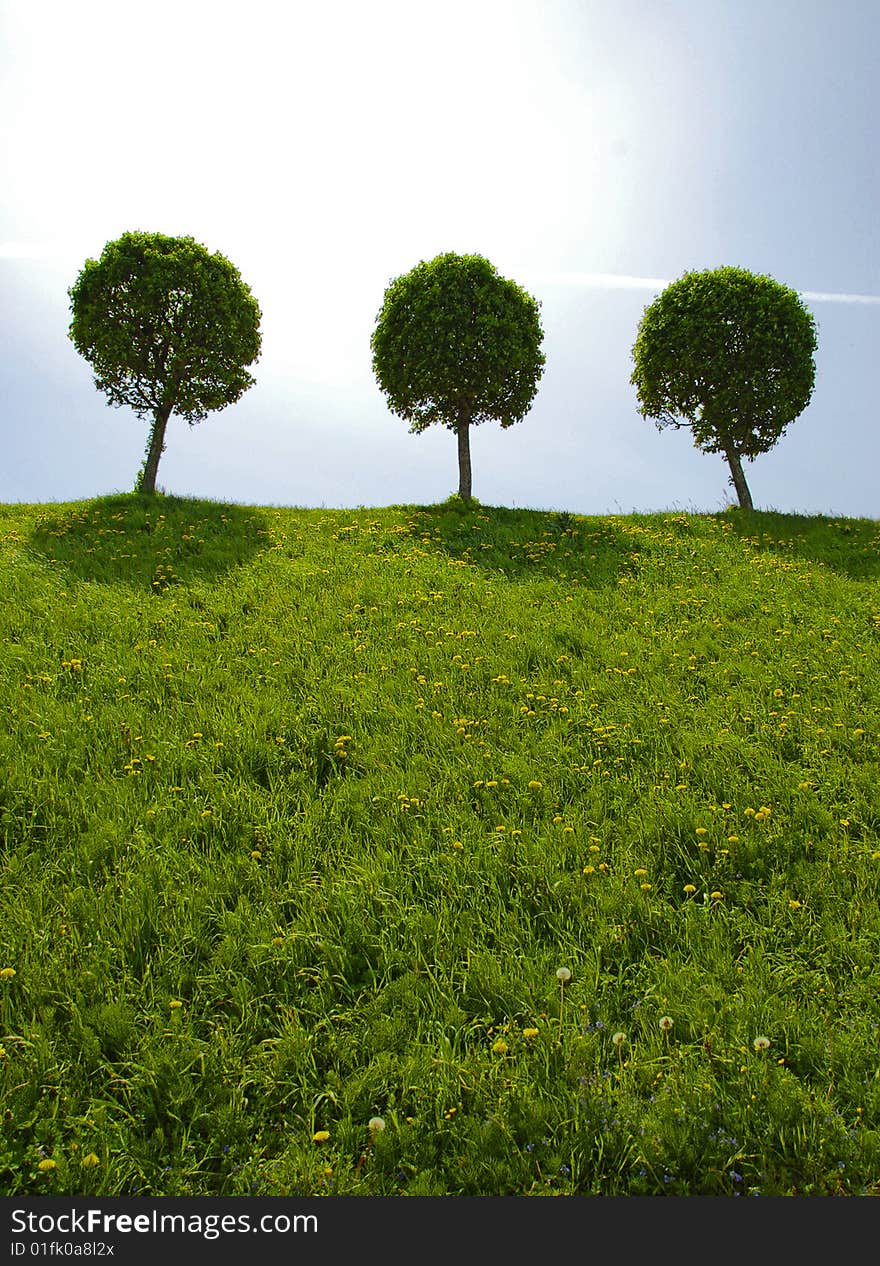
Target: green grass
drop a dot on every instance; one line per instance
(350, 786)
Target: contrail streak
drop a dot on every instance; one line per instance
(621, 281)
(819, 296)
(595, 281)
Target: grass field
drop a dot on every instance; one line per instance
(437, 851)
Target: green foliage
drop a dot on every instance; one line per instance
(302, 810)
(165, 325)
(731, 353)
(454, 341)
(456, 502)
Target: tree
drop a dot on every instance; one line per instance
(168, 328)
(458, 344)
(731, 353)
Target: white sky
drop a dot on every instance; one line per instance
(591, 149)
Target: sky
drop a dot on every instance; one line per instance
(592, 150)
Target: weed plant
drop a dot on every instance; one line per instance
(438, 850)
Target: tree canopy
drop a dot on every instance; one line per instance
(458, 344)
(730, 354)
(168, 328)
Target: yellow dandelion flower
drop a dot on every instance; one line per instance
(47, 1165)
(320, 1136)
(645, 887)
(175, 1004)
(641, 871)
(500, 1047)
(530, 1032)
(701, 830)
(534, 785)
(589, 870)
(6, 973)
(90, 1161)
(716, 895)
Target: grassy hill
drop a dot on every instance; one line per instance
(303, 811)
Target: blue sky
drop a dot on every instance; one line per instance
(591, 149)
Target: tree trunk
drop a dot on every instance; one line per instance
(155, 449)
(464, 458)
(738, 479)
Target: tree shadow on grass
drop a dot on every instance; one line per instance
(149, 542)
(850, 547)
(528, 544)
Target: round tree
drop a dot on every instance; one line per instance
(168, 328)
(730, 354)
(456, 343)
